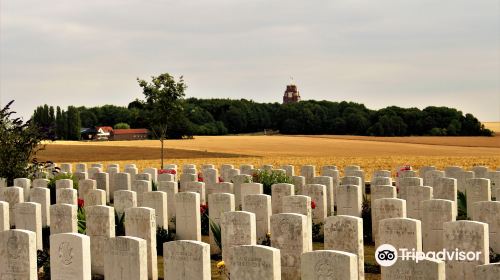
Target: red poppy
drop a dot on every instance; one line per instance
(167, 171)
(313, 204)
(203, 209)
(81, 203)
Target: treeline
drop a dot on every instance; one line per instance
(58, 124)
(225, 116)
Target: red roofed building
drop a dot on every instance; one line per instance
(103, 132)
(129, 134)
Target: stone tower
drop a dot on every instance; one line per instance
(291, 95)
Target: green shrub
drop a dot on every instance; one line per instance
(52, 184)
(162, 236)
(268, 178)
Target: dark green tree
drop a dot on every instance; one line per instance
(74, 125)
(19, 142)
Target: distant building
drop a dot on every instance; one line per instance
(129, 134)
(103, 132)
(291, 95)
(88, 133)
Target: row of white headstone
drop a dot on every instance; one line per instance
(283, 200)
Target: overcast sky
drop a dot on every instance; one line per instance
(409, 53)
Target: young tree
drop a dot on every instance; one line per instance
(163, 95)
(19, 142)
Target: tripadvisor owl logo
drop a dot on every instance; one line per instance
(386, 255)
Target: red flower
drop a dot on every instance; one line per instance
(167, 171)
(200, 177)
(203, 209)
(81, 203)
(313, 204)
(221, 180)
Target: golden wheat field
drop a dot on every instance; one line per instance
(495, 126)
(369, 152)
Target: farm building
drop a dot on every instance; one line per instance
(129, 134)
(103, 132)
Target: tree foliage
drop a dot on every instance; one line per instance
(165, 106)
(121, 125)
(19, 142)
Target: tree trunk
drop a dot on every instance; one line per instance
(161, 140)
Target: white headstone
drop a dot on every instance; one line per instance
(428, 269)
(300, 204)
(126, 258)
(100, 228)
(140, 187)
(386, 208)
(219, 203)
(487, 271)
(28, 216)
(327, 181)
(140, 222)
(445, 188)
(170, 188)
(309, 172)
(66, 196)
(260, 205)
(289, 234)
(4, 216)
(329, 264)
(25, 184)
(122, 182)
(64, 184)
(18, 254)
(465, 236)
(435, 213)
(489, 212)
(70, 256)
(187, 216)
(279, 191)
(84, 186)
(124, 200)
(42, 196)
(345, 233)
(349, 200)
(401, 233)
(157, 200)
(237, 228)
(477, 189)
(247, 189)
(63, 218)
(186, 259)
(415, 195)
(197, 187)
(250, 262)
(13, 196)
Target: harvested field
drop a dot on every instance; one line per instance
(370, 152)
(495, 126)
(86, 153)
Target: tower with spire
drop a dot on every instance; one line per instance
(292, 94)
